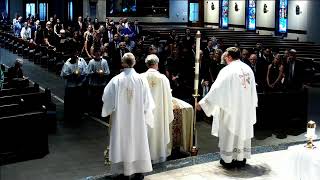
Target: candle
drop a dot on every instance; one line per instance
(196, 77)
(311, 129)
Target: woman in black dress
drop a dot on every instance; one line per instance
(275, 74)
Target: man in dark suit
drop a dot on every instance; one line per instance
(80, 26)
(294, 72)
(259, 67)
(109, 34)
(119, 52)
(188, 39)
(137, 28)
(3, 18)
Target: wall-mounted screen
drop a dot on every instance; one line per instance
(251, 15)
(137, 7)
(224, 17)
(283, 16)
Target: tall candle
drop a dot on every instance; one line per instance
(196, 77)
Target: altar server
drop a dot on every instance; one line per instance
(74, 71)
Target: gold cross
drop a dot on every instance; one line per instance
(152, 81)
(129, 95)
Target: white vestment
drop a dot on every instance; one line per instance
(232, 101)
(128, 100)
(159, 136)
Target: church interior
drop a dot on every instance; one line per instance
(52, 128)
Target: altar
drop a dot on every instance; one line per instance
(182, 125)
(303, 163)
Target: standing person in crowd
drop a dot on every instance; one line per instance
(39, 36)
(118, 54)
(294, 72)
(137, 28)
(80, 26)
(232, 101)
(74, 71)
(245, 55)
(188, 39)
(57, 27)
(127, 99)
(98, 71)
(96, 24)
(49, 38)
(88, 41)
(17, 26)
(268, 55)
(159, 135)
(25, 32)
(275, 74)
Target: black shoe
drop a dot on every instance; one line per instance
(138, 176)
(227, 165)
(120, 177)
(240, 164)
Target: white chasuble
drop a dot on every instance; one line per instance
(159, 136)
(232, 101)
(128, 100)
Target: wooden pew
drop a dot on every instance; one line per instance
(17, 91)
(23, 137)
(35, 100)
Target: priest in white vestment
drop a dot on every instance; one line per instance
(128, 100)
(159, 136)
(232, 101)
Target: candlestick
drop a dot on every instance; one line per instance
(194, 150)
(311, 134)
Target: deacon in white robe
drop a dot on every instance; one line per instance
(159, 136)
(128, 100)
(232, 101)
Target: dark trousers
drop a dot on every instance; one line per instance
(95, 99)
(73, 104)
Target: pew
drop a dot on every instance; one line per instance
(23, 137)
(17, 91)
(282, 109)
(35, 100)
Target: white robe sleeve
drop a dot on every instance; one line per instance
(65, 70)
(168, 95)
(108, 99)
(148, 104)
(84, 66)
(216, 96)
